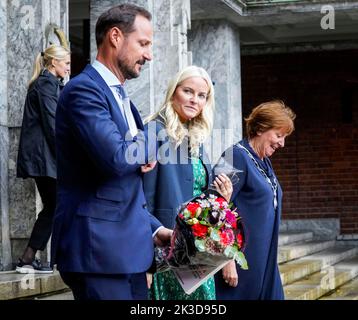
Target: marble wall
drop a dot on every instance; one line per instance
(215, 46)
(171, 19)
(22, 30)
(3, 64)
(5, 253)
(5, 247)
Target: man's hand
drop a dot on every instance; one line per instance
(230, 274)
(148, 167)
(163, 237)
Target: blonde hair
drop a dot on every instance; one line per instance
(270, 115)
(200, 127)
(44, 59)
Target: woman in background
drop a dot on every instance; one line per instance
(36, 156)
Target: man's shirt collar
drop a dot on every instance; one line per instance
(107, 75)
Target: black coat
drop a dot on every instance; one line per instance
(36, 157)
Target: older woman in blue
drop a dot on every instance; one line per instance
(258, 197)
(183, 171)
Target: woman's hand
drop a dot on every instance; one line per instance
(149, 279)
(223, 185)
(230, 274)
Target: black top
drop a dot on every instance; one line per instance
(36, 157)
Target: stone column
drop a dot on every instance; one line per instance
(171, 19)
(215, 46)
(21, 24)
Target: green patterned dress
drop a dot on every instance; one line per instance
(165, 285)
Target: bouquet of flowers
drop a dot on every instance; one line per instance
(208, 232)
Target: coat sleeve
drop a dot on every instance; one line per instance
(150, 178)
(234, 159)
(239, 163)
(150, 187)
(47, 96)
(87, 108)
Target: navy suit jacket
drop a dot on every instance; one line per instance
(101, 223)
(169, 185)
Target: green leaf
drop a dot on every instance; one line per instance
(205, 213)
(241, 260)
(215, 235)
(200, 245)
(230, 252)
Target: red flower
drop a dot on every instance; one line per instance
(192, 207)
(239, 239)
(181, 216)
(221, 202)
(199, 230)
(227, 237)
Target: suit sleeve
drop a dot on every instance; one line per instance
(48, 97)
(154, 223)
(88, 111)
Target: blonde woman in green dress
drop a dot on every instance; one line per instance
(183, 171)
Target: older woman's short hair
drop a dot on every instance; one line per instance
(270, 115)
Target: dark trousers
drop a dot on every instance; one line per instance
(43, 226)
(87, 286)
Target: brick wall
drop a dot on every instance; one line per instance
(318, 168)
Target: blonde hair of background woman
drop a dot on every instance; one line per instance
(200, 127)
(45, 61)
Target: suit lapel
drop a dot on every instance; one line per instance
(122, 125)
(137, 117)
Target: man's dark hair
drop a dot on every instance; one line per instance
(122, 17)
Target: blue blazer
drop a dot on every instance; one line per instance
(101, 223)
(169, 185)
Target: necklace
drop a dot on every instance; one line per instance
(273, 184)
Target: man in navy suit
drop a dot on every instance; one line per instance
(103, 235)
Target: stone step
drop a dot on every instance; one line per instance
(14, 285)
(288, 237)
(297, 250)
(297, 269)
(66, 295)
(349, 291)
(323, 282)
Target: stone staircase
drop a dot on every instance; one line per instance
(310, 270)
(19, 286)
(317, 269)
